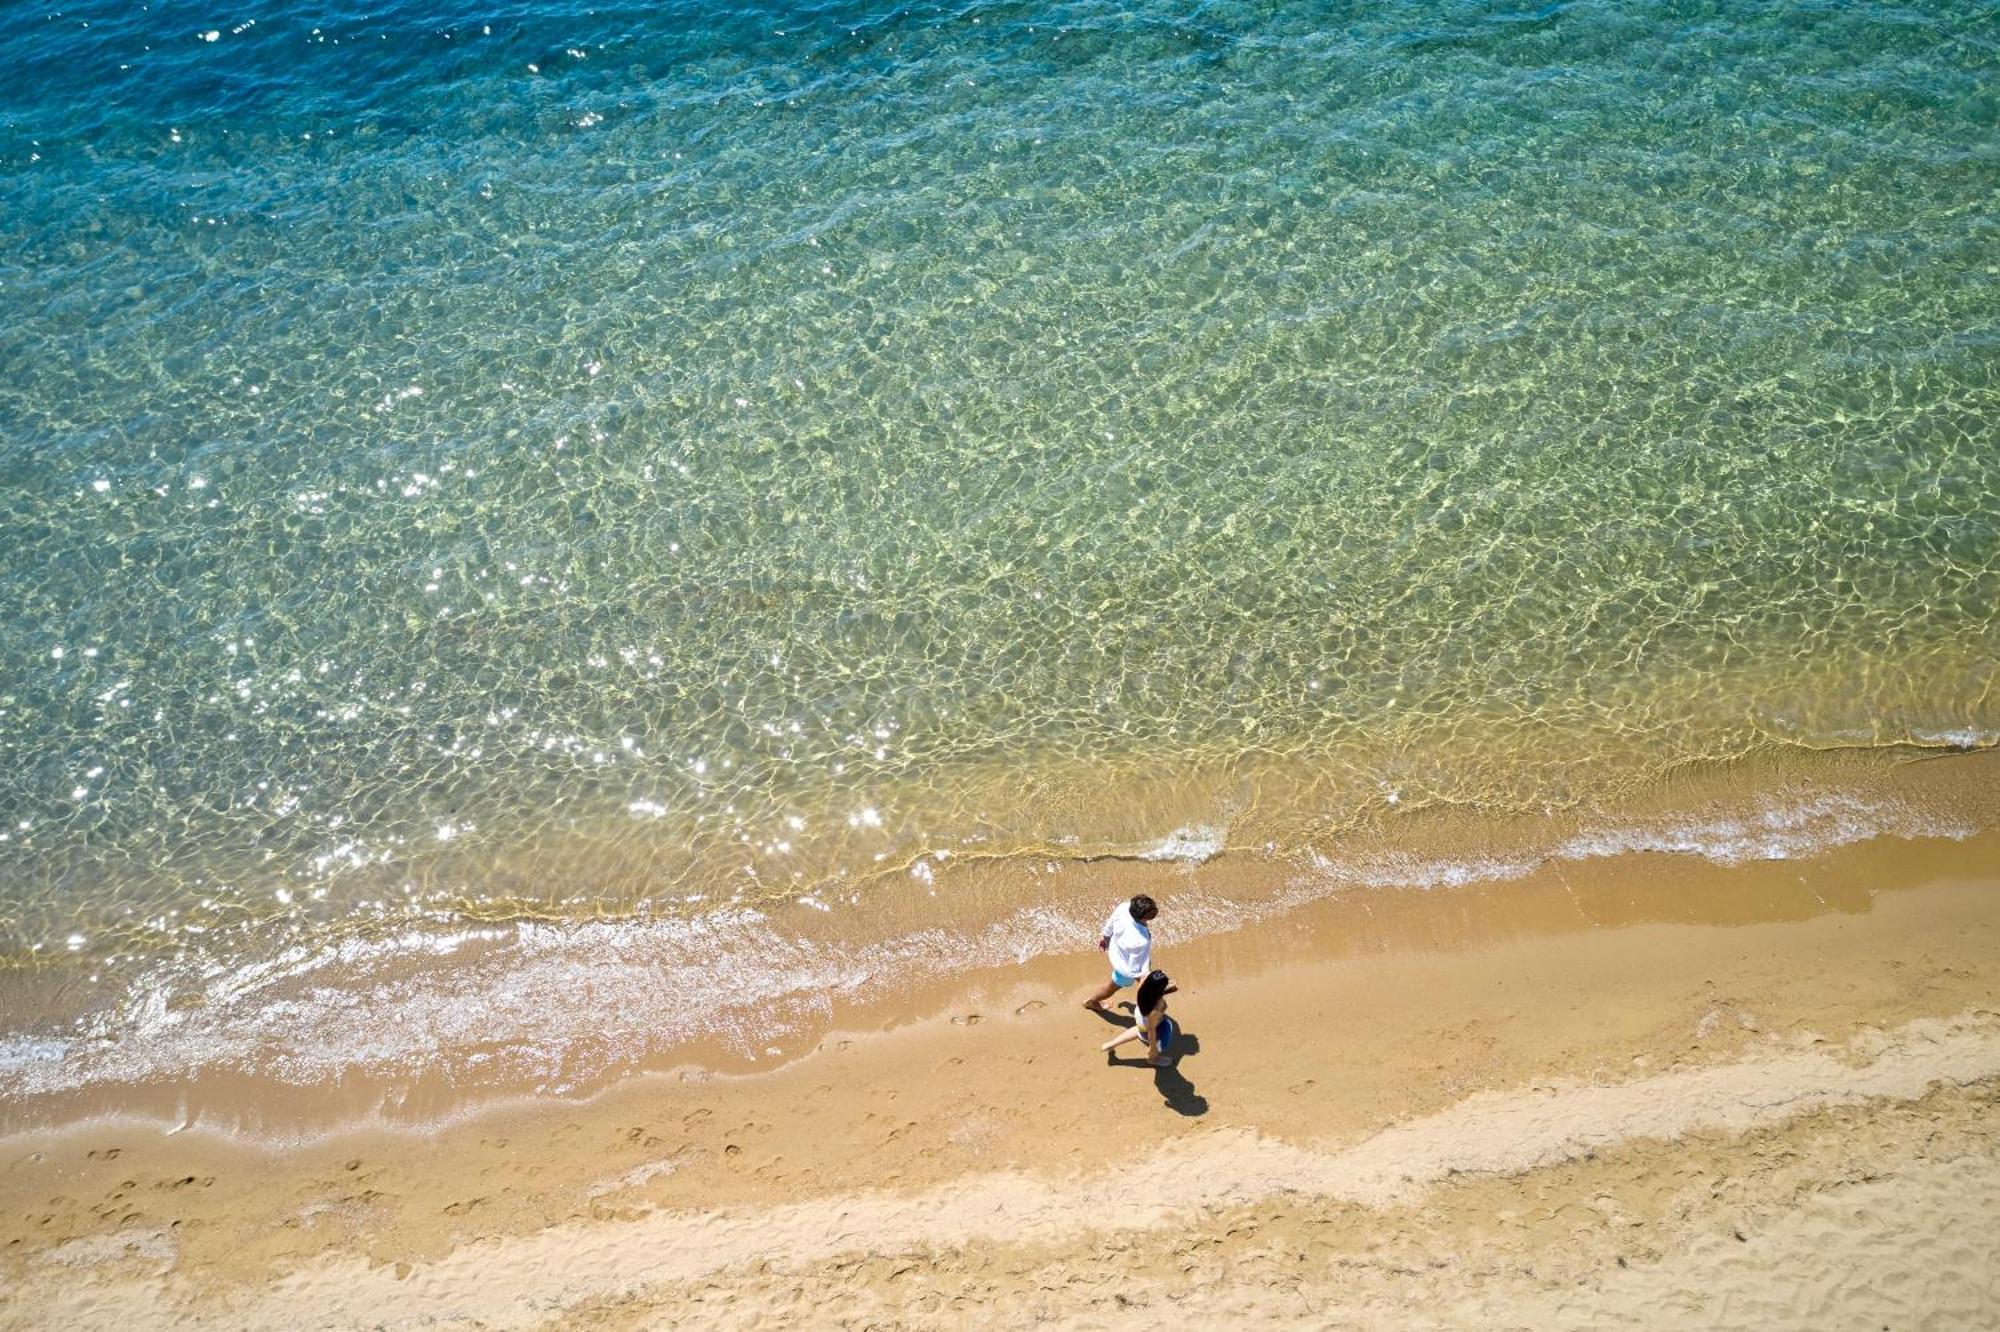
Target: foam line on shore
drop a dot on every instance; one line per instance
(523, 1011)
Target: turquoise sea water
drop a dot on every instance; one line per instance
(459, 461)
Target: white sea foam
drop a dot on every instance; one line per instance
(1774, 830)
(1963, 737)
(1193, 845)
(23, 1052)
(549, 1005)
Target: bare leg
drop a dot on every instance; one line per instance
(1096, 1001)
(1135, 1034)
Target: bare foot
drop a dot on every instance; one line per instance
(1094, 1006)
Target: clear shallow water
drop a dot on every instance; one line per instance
(483, 461)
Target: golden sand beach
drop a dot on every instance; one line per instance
(1648, 1091)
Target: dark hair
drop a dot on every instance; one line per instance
(1151, 991)
(1144, 908)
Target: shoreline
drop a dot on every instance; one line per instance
(1517, 1046)
(420, 1033)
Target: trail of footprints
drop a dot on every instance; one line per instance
(348, 1196)
(128, 1203)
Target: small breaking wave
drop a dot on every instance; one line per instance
(1774, 830)
(1195, 845)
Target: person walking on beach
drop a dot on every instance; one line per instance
(1127, 940)
(1150, 1023)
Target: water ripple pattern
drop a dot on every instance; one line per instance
(459, 461)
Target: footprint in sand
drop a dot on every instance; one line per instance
(1029, 1007)
(969, 1020)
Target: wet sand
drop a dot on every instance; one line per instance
(1639, 1090)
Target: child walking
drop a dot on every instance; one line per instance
(1151, 1024)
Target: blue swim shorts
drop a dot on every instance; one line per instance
(1120, 979)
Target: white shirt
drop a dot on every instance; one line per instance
(1131, 948)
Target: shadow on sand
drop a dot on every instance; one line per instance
(1118, 1015)
(1172, 1084)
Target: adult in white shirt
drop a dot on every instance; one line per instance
(1127, 941)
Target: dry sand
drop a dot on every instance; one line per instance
(1474, 1109)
